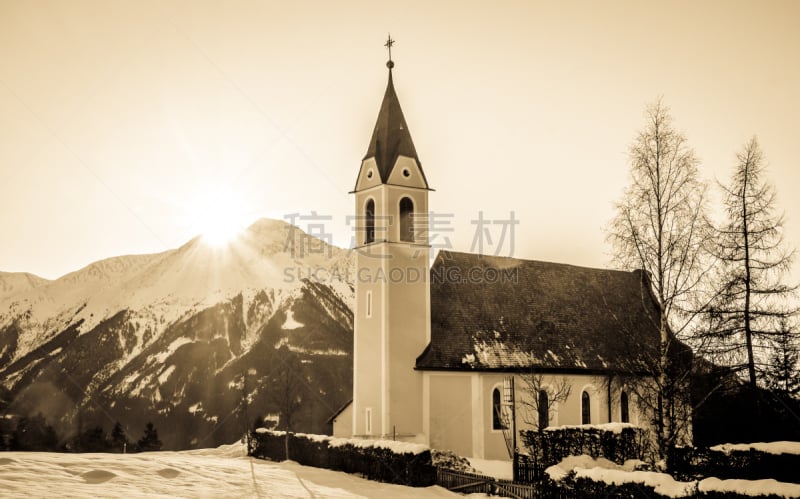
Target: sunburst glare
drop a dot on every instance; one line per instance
(218, 215)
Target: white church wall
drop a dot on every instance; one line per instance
(451, 405)
(459, 409)
(369, 348)
(566, 412)
(494, 444)
(343, 423)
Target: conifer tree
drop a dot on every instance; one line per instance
(752, 299)
(34, 434)
(149, 441)
(119, 441)
(783, 373)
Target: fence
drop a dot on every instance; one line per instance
(526, 470)
(471, 483)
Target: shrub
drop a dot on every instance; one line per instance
(380, 460)
(616, 442)
(450, 460)
(740, 463)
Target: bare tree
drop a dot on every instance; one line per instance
(661, 228)
(245, 402)
(286, 391)
(542, 398)
(752, 299)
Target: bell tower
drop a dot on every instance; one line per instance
(392, 312)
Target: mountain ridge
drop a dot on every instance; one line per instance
(151, 334)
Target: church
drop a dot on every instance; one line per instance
(452, 355)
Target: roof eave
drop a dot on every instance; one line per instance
(538, 370)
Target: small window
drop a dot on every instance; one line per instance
(623, 408)
(497, 411)
(368, 420)
(406, 172)
(406, 220)
(369, 219)
(544, 410)
(586, 412)
(369, 304)
(369, 173)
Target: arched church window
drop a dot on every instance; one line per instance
(497, 410)
(369, 226)
(623, 406)
(406, 220)
(586, 412)
(543, 407)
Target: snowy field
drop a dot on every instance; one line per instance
(222, 472)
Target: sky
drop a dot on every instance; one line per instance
(131, 127)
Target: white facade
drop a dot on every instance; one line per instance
(459, 408)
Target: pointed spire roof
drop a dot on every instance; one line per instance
(391, 137)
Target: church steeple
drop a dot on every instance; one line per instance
(391, 318)
(391, 137)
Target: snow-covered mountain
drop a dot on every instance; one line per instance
(182, 337)
(16, 282)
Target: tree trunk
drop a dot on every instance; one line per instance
(748, 332)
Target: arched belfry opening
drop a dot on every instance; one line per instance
(369, 222)
(407, 220)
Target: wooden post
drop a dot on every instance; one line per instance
(514, 415)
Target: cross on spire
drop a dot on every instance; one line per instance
(388, 45)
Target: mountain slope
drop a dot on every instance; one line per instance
(183, 337)
(17, 282)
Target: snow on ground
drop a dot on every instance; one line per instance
(222, 472)
(768, 447)
(497, 469)
(750, 487)
(662, 483)
(612, 427)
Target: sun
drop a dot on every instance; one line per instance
(219, 216)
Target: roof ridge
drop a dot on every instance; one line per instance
(442, 252)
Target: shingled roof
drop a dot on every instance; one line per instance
(504, 314)
(391, 137)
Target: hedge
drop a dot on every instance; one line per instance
(379, 460)
(615, 442)
(573, 486)
(693, 463)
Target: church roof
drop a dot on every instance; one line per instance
(501, 314)
(391, 137)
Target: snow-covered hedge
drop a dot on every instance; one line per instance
(775, 460)
(583, 476)
(617, 442)
(382, 460)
